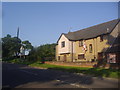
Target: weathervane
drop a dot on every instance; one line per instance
(70, 29)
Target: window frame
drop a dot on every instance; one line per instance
(81, 56)
(90, 48)
(80, 43)
(62, 44)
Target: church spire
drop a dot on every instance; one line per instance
(18, 32)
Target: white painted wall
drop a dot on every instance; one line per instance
(67, 48)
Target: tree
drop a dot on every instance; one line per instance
(10, 46)
(16, 44)
(27, 45)
(32, 54)
(44, 52)
(47, 50)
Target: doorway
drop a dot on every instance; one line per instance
(65, 58)
(100, 56)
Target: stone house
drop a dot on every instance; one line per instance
(90, 44)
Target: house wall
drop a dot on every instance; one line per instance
(97, 46)
(56, 53)
(66, 51)
(68, 57)
(67, 47)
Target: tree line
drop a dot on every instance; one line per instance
(11, 48)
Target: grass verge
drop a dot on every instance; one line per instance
(85, 70)
(101, 72)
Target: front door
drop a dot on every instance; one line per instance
(100, 56)
(64, 57)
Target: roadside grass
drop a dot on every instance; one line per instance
(97, 72)
(101, 72)
(20, 61)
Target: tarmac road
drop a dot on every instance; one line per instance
(22, 76)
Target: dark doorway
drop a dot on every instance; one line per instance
(64, 57)
(100, 56)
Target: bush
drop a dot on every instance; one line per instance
(7, 58)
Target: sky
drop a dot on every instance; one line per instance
(43, 22)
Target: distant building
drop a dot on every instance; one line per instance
(95, 43)
(23, 52)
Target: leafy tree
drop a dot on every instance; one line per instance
(44, 52)
(27, 45)
(10, 46)
(33, 55)
(16, 44)
(6, 46)
(47, 50)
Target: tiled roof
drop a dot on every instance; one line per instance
(93, 31)
(115, 47)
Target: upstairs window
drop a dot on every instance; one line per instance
(90, 48)
(81, 43)
(101, 38)
(63, 44)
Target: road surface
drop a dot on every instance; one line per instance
(22, 76)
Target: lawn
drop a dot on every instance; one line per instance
(112, 73)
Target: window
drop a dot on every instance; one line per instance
(81, 43)
(81, 56)
(63, 44)
(90, 48)
(101, 38)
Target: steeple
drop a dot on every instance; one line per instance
(18, 32)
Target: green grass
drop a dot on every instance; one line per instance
(112, 73)
(19, 61)
(85, 70)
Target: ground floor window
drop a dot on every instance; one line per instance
(111, 58)
(81, 56)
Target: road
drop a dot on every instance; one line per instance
(22, 76)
